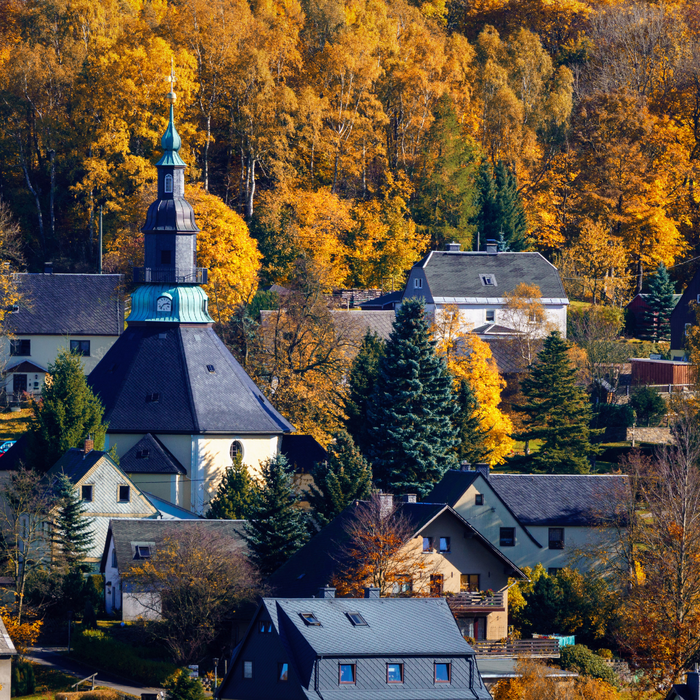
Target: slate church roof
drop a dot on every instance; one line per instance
(150, 456)
(179, 379)
(68, 304)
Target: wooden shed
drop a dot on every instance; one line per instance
(662, 372)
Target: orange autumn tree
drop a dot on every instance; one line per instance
(379, 552)
(469, 358)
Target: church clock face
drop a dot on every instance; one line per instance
(164, 304)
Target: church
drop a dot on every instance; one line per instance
(179, 406)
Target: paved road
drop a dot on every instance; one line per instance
(56, 658)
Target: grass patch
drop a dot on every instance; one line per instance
(12, 425)
(50, 680)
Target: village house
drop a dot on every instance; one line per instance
(683, 316)
(548, 519)
(7, 653)
(77, 312)
(475, 282)
(447, 555)
(129, 541)
(324, 648)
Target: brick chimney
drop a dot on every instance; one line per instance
(326, 592)
(89, 445)
(483, 469)
(409, 498)
(453, 247)
(48, 268)
(371, 592)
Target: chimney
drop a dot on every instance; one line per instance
(48, 268)
(483, 469)
(89, 445)
(386, 504)
(492, 247)
(453, 247)
(692, 683)
(465, 466)
(372, 592)
(326, 592)
(409, 498)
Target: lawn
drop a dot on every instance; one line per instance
(12, 425)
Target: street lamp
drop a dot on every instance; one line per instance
(216, 677)
(70, 619)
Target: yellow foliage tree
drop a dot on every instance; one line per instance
(469, 358)
(23, 634)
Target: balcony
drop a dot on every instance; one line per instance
(169, 275)
(468, 603)
(518, 648)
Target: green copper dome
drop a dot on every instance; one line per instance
(169, 303)
(171, 142)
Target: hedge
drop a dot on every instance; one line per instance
(581, 659)
(103, 652)
(23, 681)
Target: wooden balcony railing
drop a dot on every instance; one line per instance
(535, 648)
(463, 602)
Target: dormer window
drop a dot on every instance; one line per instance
(168, 184)
(488, 280)
(152, 398)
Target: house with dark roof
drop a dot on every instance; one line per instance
(106, 492)
(683, 316)
(548, 519)
(327, 648)
(131, 540)
(476, 281)
(690, 690)
(82, 313)
(169, 386)
(450, 555)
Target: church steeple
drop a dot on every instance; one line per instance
(170, 230)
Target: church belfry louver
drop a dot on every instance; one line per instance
(178, 404)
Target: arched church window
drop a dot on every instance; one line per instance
(236, 450)
(168, 186)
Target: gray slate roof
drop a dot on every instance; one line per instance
(68, 305)
(126, 531)
(171, 364)
(361, 321)
(7, 648)
(559, 499)
(150, 456)
(457, 274)
(303, 452)
(75, 464)
(433, 630)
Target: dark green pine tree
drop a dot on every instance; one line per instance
(72, 530)
(410, 413)
(471, 445)
(363, 375)
(343, 477)
(277, 527)
(501, 214)
(234, 497)
(446, 191)
(557, 412)
(657, 321)
(67, 414)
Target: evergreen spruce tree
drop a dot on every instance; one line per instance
(277, 527)
(67, 414)
(446, 191)
(657, 321)
(501, 214)
(344, 477)
(72, 530)
(363, 375)
(234, 497)
(557, 412)
(410, 413)
(471, 437)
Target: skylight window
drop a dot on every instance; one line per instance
(357, 619)
(142, 454)
(142, 552)
(211, 369)
(310, 619)
(152, 398)
(488, 280)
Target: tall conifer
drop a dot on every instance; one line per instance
(471, 437)
(234, 497)
(557, 412)
(343, 477)
(657, 321)
(410, 412)
(72, 530)
(277, 527)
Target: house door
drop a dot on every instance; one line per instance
(436, 583)
(19, 383)
(479, 628)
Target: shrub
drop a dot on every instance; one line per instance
(182, 687)
(23, 681)
(97, 694)
(649, 405)
(581, 659)
(613, 416)
(605, 654)
(100, 650)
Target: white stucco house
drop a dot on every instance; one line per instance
(81, 313)
(476, 281)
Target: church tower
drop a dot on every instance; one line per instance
(179, 406)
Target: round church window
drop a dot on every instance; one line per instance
(236, 450)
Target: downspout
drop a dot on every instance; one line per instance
(316, 689)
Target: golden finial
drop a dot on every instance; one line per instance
(171, 96)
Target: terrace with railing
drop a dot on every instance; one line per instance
(476, 601)
(169, 275)
(517, 648)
